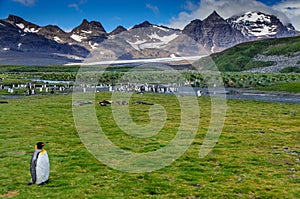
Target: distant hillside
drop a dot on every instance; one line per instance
(270, 55)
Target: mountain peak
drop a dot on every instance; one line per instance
(145, 24)
(193, 29)
(214, 15)
(52, 29)
(14, 18)
(86, 26)
(84, 22)
(22, 24)
(214, 18)
(214, 33)
(118, 30)
(196, 21)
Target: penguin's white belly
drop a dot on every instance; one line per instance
(42, 168)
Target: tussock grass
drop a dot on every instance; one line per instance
(293, 87)
(257, 155)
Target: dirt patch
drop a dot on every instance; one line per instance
(170, 178)
(10, 194)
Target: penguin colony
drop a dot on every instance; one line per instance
(39, 165)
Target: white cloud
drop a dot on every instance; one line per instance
(26, 2)
(74, 5)
(189, 5)
(226, 8)
(152, 8)
(291, 9)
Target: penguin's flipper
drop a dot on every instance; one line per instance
(33, 167)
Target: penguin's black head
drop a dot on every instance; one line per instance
(40, 145)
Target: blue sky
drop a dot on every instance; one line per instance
(175, 13)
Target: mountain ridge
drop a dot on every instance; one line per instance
(144, 40)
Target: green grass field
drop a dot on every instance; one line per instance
(292, 87)
(257, 154)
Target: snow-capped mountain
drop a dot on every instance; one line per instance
(54, 33)
(255, 25)
(144, 40)
(88, 34)
(146, 35)
(22, 42)
(20, 39)
(23, 25)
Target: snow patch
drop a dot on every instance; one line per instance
(20, 25)
(143, 44)
(213, 47)
(165, 39)
(33, 30)
(94, 45)
(162, 28)
(136, 44)
(2, 24)
(57, 39)
(30, 30)
(5, 49)
(87, 32)
(77, 37)
(173, 56)
(19, 45)
(262, 31)
(151, 45)
(254, 17)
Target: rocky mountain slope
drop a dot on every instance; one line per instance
(214, 33)
(22, 42)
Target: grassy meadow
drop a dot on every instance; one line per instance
(292, 87)
(257, 154)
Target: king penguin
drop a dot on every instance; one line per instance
(39, 165)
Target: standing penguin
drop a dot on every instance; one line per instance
(39, 165)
